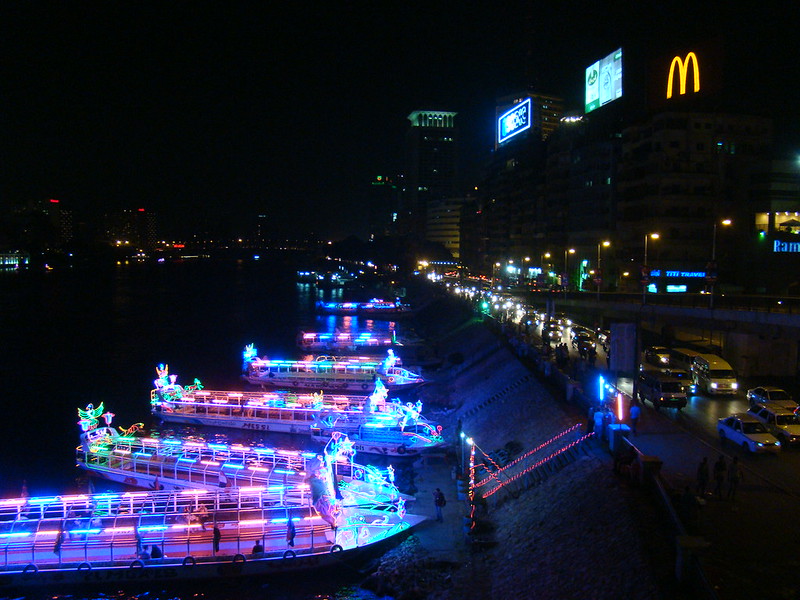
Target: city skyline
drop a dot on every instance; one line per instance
(211, 116)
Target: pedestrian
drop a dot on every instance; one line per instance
(592, 355)
(719, 475)
(702, 477)
(439, 501)
(734, 477)
(598, 421)
(217, 538)
(635, 410)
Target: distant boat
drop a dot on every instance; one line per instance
(344, 375)
(376, 307)
(366, 341)
(375, 424)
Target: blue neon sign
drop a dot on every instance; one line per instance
(515, 120)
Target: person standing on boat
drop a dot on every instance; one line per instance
(223, 480)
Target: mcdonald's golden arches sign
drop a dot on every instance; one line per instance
(682, 73)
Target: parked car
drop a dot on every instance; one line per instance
(766, 394)
(744, 430)
(780, 421)
(657, 355)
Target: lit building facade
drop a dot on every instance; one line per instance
(431, 166)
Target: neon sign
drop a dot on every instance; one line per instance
(683, 69)
(515, 120)
(779, 246)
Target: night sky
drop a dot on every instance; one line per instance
(209, 113)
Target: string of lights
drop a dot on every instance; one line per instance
(524, 456)
(536, 465)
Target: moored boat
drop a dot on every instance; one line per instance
(390, 426)
(340, 375)
(282, 475)
(172, 536)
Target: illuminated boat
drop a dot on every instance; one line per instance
(376, 308)
(282, 475)
(376, 424)
(340, 375)
(100, 539)
(366, 341)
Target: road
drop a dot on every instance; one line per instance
(699, 418)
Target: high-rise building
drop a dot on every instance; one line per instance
(444, 221)
(431, 166)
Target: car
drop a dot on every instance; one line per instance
(563, 319)
(657, 355)
(604, 337)
(552, 331)
(583, 339)
(744, 430)
(683, 376)
(766, 394)
(661, 390)
(780, 421)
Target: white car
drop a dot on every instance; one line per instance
(780, 421)
(744, 430)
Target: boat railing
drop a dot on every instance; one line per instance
(186, 525)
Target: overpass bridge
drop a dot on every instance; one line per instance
(758, 335)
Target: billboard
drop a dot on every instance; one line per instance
(603, 81)
(514, 121)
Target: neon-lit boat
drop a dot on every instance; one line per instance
(341, 375)
(99, 540)
(376, 307)
(171, 463)
(375, 424)
(366, 341)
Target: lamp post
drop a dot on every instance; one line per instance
(599, 276)
(566, 269)
(495, 266)
(711, 275)
(546, 255)
(645, 268)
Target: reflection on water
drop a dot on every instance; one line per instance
(75, 337)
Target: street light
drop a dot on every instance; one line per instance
(598, 277)
(566, 268)
(711, 275)
(645, 268)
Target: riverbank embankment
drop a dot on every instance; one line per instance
(582, 532)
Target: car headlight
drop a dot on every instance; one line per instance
(713, 385)
(735, 386)
(777, 443)
(760, 444)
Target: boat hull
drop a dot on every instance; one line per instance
(176, 571)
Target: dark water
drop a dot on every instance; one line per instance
(88, 336)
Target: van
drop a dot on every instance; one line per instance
(713, 375)
(661, 390)
(682, 358)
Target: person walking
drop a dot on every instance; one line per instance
(634, 413)
(439, 501)
(734, 477)
(719, 475)
(702, 477)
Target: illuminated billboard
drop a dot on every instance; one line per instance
(515, 120)
(604, 81)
